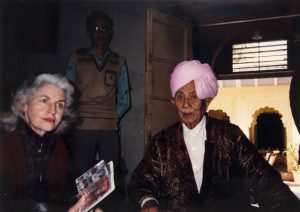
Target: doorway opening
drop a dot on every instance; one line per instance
(269, 133)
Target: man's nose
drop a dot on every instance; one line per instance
(186, 102)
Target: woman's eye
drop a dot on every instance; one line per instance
(60, 106)
(43, 100)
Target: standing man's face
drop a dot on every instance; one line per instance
(190, 108)
(101, 33)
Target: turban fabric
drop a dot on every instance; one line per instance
(204, 78)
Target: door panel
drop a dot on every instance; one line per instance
(165, 114)
(169, 41)
(160, 78)
(168, 47)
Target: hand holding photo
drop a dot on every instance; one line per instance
(96, 184)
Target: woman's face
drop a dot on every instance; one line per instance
(44, 110)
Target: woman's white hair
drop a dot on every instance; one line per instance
(25, 92)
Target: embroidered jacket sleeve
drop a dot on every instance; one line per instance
(146, 179)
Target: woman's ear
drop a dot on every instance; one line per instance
(23, 108)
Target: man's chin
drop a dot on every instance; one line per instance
(100, 44)
(190, 124)
(188, 117)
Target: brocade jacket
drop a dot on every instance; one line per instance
(234, 174)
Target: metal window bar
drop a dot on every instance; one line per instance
(259, 56)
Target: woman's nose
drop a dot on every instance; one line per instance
(52, 108)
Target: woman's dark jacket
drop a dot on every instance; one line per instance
(15, 170)
(234, 173)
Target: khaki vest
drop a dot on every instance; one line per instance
(98, 92)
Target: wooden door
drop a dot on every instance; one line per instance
(168, 42)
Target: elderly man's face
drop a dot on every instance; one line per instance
(189, 107)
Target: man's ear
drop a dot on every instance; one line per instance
(88, 34)
(111, 35)
(173, 101)
(208, 101)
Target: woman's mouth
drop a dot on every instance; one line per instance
(50, 120)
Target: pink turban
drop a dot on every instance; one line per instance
(202, 74)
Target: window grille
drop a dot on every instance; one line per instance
(259, 56)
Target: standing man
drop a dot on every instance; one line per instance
(101, 78)
(204, 164)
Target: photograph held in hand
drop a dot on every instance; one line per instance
(95, 184)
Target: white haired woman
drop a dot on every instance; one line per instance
(33, 158)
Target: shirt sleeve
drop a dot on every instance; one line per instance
(123, 94)
(71, 68)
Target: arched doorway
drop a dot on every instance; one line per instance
(269, 132)
(265, 132)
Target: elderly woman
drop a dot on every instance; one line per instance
(33, 158)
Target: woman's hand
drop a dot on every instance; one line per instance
(80, 205)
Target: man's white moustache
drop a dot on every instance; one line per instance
(187, 110)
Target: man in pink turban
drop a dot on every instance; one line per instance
(193, 85)
(204, 164)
